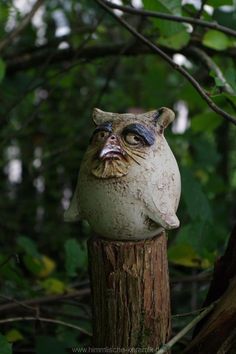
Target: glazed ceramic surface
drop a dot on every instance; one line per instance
(129, 183)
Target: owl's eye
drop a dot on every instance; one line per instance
(133, 139)
(101, 135)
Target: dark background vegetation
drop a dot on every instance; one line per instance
(65, 59)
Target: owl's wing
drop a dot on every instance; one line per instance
(72, 214)
(162, 214)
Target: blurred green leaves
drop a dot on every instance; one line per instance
(2, 69)
(196, 202)
(216, 40)
(205, 122)
(5, 347)
(28, 246)
(48, 345)
(75, 257)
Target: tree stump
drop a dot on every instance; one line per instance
(130, 293)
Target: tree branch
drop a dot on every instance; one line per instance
(174, 18)
(44, 299)
(166, 347)
(177, 67)
(211, 65)
(28, 60)
(44, 319)
(23, 23)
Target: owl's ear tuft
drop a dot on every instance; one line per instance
(163, 117)
(97, 115)
(100, 117)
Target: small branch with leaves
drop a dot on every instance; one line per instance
(173, 18)
(163, 55)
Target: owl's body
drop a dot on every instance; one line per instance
(130, 199)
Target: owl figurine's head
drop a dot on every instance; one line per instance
(120, 140)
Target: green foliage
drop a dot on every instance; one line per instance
(2, 69)
(205, 122)
(5, 347)
(76, 257)
(47, 345)
(28, 246)
(216, 40)
(49, 86)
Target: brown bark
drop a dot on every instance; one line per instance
(217, 333)
(130, 293)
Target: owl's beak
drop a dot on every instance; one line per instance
(111, 149)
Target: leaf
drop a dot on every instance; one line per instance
(203, 159)
(216, 40)
(197, 204)
(166, 28)
(206, 121)
(28, 246)
(230, 75)
(232, 98)
(176, 41)
(217, 3)
(198, 235)
(14, 335)
(34, 265)
(48, 345)
(48, 266)
(183, 254)
(5, 347)
(2, 69)
(75, 256)
(53, 286)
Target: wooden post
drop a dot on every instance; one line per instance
(130, 293)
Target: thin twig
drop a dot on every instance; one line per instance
(166, 347)
(45, 299)
(174, 18)
(177, 67)
(44, 319)
(204, 276)
(198, 16)
(20, 303)
(23, 23)
(26, 60)
(185, 314)
(211, 65)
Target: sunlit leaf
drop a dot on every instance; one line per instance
(48, 266)
(176, 41)
(216, 40)
(53, 286)
(184, 255)
(14, 335)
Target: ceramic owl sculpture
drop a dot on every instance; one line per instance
(129, 183)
